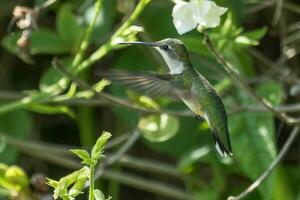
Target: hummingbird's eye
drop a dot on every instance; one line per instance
(164, 47)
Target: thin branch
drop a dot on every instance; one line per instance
(276, 67)
(268, 171)
(290, 108)
(69, 101)
(291, 7)
(157, 167)
(47, 4)
(9, 95)
(147, 185)
(265, 4)
(230, 70)
(278, 11)
(49, 148)
(259, 6)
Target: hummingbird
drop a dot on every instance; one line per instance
(185, 83)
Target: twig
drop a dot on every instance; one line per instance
(148, 185)
(268, 171)
(230, 70)
(285, 77)
(264, 4)
(278, 11)
(157, 167)
(291, 7)
(261, 5)
(290, 108)
(47, 4)
(55, 149)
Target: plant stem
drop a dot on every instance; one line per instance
(92, 184)
(23, 102)
(86, 126)
(108, 46)
(86, 39)
(97, 55)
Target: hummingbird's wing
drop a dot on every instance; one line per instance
(150, 84)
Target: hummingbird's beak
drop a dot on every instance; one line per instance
(151, 44)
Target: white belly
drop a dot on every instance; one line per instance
(192, 102)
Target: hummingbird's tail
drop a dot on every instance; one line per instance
(220, 147)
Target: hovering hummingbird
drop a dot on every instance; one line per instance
(185, 83)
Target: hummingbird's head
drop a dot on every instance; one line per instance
(172, 50)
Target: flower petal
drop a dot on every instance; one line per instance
(212, 18)
(200, 7)
(183, 17)
(218, 9)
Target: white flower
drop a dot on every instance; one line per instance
(202, 13)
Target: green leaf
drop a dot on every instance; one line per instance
(47, 42)
(17, 124)
(43, 41)
(52, 183)
(76, 178)
(251, 38)
(78, 186)
(158, 128)
(9, 42)
(51, 109)
(67, 26)
(256, 34)
(98, 195)
(99, 146)
(253, 137)
(246, 41)
(83, 154)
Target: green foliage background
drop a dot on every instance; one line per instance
(184, 144)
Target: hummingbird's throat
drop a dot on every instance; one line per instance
(175, 66)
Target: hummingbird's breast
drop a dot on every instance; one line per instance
(191, 100)
(198, 95)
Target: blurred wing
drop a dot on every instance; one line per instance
(151, 84)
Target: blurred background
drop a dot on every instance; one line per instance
(176, 160)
